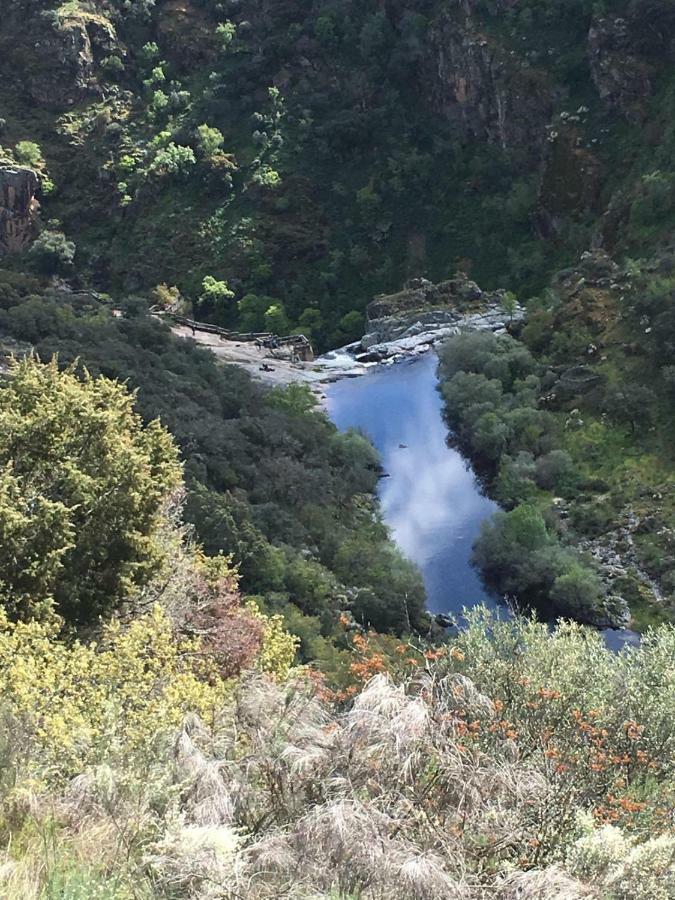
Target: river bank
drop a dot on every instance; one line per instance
(389, 340)
(430, 497)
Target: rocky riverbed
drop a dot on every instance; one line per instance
(428, 329)
(399, 326)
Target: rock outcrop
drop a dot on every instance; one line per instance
(55, 55)
(422, 314)
(422, 303)
(18, 207)
(492, 95)
(622, 78)
(66, 51)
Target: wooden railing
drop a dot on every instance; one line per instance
(263, 339)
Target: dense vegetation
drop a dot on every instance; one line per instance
(513, 764)
(282, 163)
(82, 492)
(217, 678)
(492, 392)
(178, 753)
(603, 336)
(571, 424)
(269, 479)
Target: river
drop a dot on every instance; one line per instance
(430, 497)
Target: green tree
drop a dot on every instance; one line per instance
(632, 405)
(276, 319)
(296, 399)
(53, 253)
(82, 488)
(311, 323)
(507, 549)
(555, 470)
(491, 436)
(576, 591)
(28, 153)
(509, 304)
(217, 301)
(350, 327)
(210, 140)
(216, 291)
(173, 159)
(252, 309)
(467, 391)
(226, 32)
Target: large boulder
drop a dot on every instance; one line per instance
(18, 207)
(54, 55)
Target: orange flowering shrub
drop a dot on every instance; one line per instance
(599, 725)
(370, 654)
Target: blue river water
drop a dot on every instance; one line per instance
(430, 498)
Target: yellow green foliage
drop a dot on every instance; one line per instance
(83, 485)
(77, 705)
(279, 647)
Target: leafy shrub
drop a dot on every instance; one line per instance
(542, 762)
(276, 319)
(268, 479)
(78, 705)
(555, 470)
(499, 357)
(216, 297)
(210, 140)
(226, 32)
(82, 487)
(521, 557)
(490, 436)
(576, 591)
(173, 159)
(53, 252)
(516, 479)
(113, 66)
(622, 867)
(605, 714)
(491, 392)
(278, 648)
(632, 405)
(28, 153)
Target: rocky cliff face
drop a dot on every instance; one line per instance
(491, 94)
(18, 208)
(55, 56)
(68, 50)
(622, 78)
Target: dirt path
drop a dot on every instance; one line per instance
(260, 364)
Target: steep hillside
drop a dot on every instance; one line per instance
(218, 678)
(305, 157)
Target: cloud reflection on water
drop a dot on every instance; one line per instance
(431, 500)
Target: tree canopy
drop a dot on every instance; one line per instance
(82, 488)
